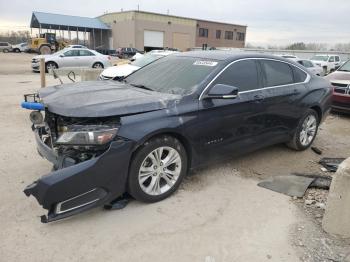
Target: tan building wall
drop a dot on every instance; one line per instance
(212, 41)
(127, 30)
(178, 32)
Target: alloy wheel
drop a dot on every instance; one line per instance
(308, 130)
(159, 171)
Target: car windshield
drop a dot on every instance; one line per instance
(173, 74)
(320, 58)
(145, 60)
(345, 67)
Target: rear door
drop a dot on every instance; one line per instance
(283, 87)
(86, 58)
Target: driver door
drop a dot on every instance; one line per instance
(232, 126)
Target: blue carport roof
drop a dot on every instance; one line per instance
(65, 22)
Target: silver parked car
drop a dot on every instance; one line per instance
(5, 47)
(315, 69)
(72, 57)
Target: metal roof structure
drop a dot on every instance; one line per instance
(66, 22)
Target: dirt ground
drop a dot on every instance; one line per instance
(218, 214)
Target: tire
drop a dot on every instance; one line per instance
(325, 70)
(50, 65)
(144, 171)
(45, 50)
(5, 50)
(16, 50)
(305, 134)
(97, 65)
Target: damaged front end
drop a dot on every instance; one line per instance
(90, 163)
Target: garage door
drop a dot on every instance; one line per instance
(181, 41)
(153, 38)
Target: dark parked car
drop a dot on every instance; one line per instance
(143, 135)
(340, 80)
(126, 52)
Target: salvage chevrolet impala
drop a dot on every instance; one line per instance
(143, 135)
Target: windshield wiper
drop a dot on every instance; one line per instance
(142, 86)
(344, 70)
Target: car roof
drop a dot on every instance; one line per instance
(228, 55)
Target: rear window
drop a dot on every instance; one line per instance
(277, 73)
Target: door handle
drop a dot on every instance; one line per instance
(258, 98)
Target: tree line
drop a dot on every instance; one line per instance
(342, 47)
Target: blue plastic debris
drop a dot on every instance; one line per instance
(32, 105)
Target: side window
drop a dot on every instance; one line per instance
(85, 53)
(242, 74)
(307, 64)
(277, 73)
(72, 53)
(337, 59)
(331, 59)
(299, 75)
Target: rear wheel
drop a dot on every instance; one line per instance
(17, 50)
(325, 70)
(157, 169)
(97, 65)
(306, 131)
(5, 50)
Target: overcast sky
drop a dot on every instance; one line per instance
(274, 22)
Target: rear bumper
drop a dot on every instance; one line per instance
(76, 188)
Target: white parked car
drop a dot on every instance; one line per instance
(136, 56)
(22, 47)
(121, 71)
(73, 57)
(311, 66)
(329, 63)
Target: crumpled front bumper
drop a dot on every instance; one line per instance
(82, 186)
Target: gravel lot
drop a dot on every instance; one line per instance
(219, 214)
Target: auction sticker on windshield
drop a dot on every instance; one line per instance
(205, 63)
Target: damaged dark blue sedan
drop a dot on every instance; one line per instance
(141, 136)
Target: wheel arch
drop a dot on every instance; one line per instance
(318, 110)
(183, 140)
(51, 61)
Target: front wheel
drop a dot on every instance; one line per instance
(157, 169)
(306, 131)
(50, 65)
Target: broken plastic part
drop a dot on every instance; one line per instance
(331, 164)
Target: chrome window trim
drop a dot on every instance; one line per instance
(307, 80)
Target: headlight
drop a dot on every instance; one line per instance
(86, 135)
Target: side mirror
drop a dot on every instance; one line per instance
(220, 91)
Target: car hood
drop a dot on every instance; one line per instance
(102, 98)
(119, 71)
(38, 57)
(339, 75)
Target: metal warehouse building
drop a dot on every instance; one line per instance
(144, 30)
